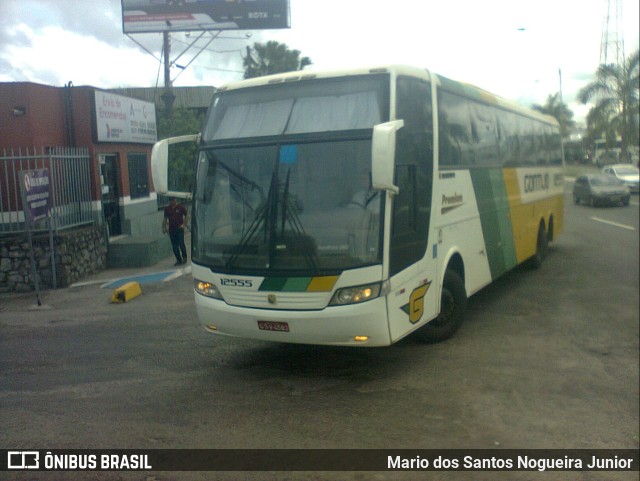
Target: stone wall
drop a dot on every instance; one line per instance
(78, 253)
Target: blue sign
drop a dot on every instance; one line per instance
(36, 193)
(289, 154)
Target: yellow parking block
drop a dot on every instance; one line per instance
(126, 292)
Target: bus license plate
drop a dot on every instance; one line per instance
(273, 326)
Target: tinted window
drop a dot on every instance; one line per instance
(484, 131)
(138, 175)
(554, 145)
(509, 137)
(414, 173)
(455, 129)
(476, 134)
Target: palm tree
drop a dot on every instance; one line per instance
(615, 93)
(271, 58)
(560, 111)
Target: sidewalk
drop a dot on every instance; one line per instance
(105, 282)
(92, 293)
(163, 271)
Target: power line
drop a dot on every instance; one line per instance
(219, 69)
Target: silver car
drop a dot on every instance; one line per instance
(627, 174)
(600, 189)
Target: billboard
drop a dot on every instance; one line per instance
(123, 119)
(143, 16)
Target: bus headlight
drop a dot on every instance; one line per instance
(207, 289)
(356, 294)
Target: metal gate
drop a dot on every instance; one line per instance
(70, 174)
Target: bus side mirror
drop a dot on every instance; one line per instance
(383, 153)
(160, 164)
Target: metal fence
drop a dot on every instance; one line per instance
(70, 186)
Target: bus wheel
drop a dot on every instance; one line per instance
(452, 306)
(542, 246)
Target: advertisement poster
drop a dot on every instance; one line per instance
(123, 119)
(36, 193)
(143, 16)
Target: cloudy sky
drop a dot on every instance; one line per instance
(514, 48)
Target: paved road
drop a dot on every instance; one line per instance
(546, 359)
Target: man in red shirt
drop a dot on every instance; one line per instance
(175, 221)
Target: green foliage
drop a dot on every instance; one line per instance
(181, 122)
(271, 58)
(560, 111)
(615, 93)
(182, 157)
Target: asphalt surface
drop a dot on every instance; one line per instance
(545, 359)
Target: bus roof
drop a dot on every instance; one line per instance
(453, 86)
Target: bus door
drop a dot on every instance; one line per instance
(412, 255)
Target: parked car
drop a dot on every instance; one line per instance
(627, 174)
(600, 189)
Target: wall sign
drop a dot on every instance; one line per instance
(124, 120)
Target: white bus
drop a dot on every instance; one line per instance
(354, 208)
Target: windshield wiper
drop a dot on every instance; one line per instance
(241, 183)
(289, 213)
(275, 238)
(262, 217)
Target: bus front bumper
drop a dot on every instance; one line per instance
(364, 324)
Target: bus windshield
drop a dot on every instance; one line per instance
(283, 179)
(287, 208)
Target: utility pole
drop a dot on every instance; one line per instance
(168, 97)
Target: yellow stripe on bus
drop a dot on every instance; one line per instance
(322, 284)
(525, 218)
(520, 217)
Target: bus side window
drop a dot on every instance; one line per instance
(528, 146)
(540, 144)
(455, 130)
(509, 138)
(555, 147)
(484, 127)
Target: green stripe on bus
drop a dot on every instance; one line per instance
(273, 283)
(285, 284)
(493, 207)
(299, 284)
(296, 284)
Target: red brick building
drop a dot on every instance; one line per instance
(119, 133)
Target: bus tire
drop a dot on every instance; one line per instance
(542, 247)
(453, 304)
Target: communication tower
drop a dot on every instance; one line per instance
(612, 41)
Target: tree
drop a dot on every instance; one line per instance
(560, 111)
(182, 156)
(615, 93)
(271, 58)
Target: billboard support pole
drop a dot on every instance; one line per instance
(168, 96)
